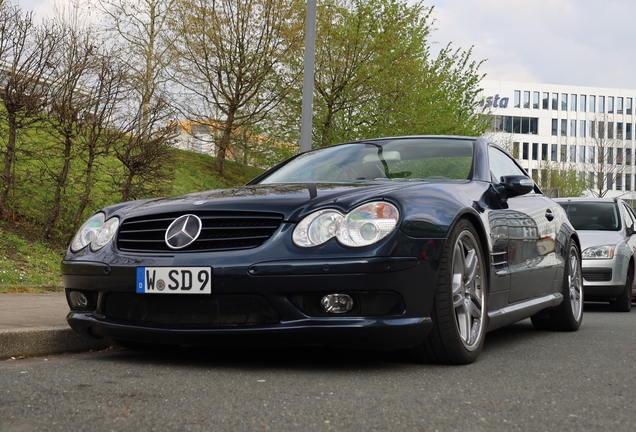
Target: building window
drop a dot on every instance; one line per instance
(628, 182)
(619, 182)
(573, 102)
(590, 180)
(526, 99)
(592, 103)
(564, 153)
(610, 104)
(628, 131)
(573, 128)
(610, 181)
(515, 150)
(592, 129)
(628, 156)
(535, 100)
(525, 125)
(582, 154)
(534, 126)
(619, 105)
(554, 127)
(582, 104)
(553, 152)
(564, 127)
(619, 156)
(601, 104)
(544, 152)
(619, 131)
(516, 124)
(517, 99)
(546, 100)
(601, 130)
(610, 156)
(590, 154)
(572, 153)
(525, 151)
(535, 151)
(628, 106)
(564, 101)
(610, 130)
(582, 129)
(555, 101)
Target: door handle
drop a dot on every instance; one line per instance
(549, 215)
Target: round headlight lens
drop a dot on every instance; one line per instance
(87, 232)
(106, 232)
(368, 224)
(317, 228)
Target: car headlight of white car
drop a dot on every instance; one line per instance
(363, 226)
(95, 232)
(599, 252)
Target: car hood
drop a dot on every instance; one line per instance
(598, 238)
(294, 201)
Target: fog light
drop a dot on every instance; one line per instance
(337, 303)
(78, 300)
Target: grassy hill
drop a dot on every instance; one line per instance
(29, 263)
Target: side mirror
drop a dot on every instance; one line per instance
(514, 185)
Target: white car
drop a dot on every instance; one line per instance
(607, 229)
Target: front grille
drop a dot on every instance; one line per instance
(221, 231)
(191, 310)
(597, 274)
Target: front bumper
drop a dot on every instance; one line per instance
(279, 283)
(604, 278)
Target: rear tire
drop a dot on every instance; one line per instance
(623, 302)
(460, 306)
(569, 314)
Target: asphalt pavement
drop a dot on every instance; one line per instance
(35, 325)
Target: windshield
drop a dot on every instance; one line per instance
(597, 216)
(406, 159)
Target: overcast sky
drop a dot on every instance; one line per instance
(573, 42)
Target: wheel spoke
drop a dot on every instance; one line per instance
(470, 266)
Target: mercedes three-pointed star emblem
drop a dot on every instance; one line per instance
(183, 231)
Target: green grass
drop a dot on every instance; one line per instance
(26, 263)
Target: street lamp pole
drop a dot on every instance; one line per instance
(308, 77)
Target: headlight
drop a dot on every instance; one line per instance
(363, 226)
(95, 232)
(599, 252)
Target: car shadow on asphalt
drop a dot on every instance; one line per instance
(324, 358)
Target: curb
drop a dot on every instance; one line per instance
(41, 341)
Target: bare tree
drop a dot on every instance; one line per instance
(27, 57)
(507, 140)
(90, 86)
(146, 41)
(147, 161)
(232, 61)
(605, 159)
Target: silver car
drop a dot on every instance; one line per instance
(607, 229)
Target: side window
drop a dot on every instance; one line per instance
(501, 164)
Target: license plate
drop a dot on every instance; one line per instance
(174, 280)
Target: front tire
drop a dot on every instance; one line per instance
(623, 302)
(569, 314)
(460, 305)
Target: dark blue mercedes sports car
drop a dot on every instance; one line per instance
(422, 242)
